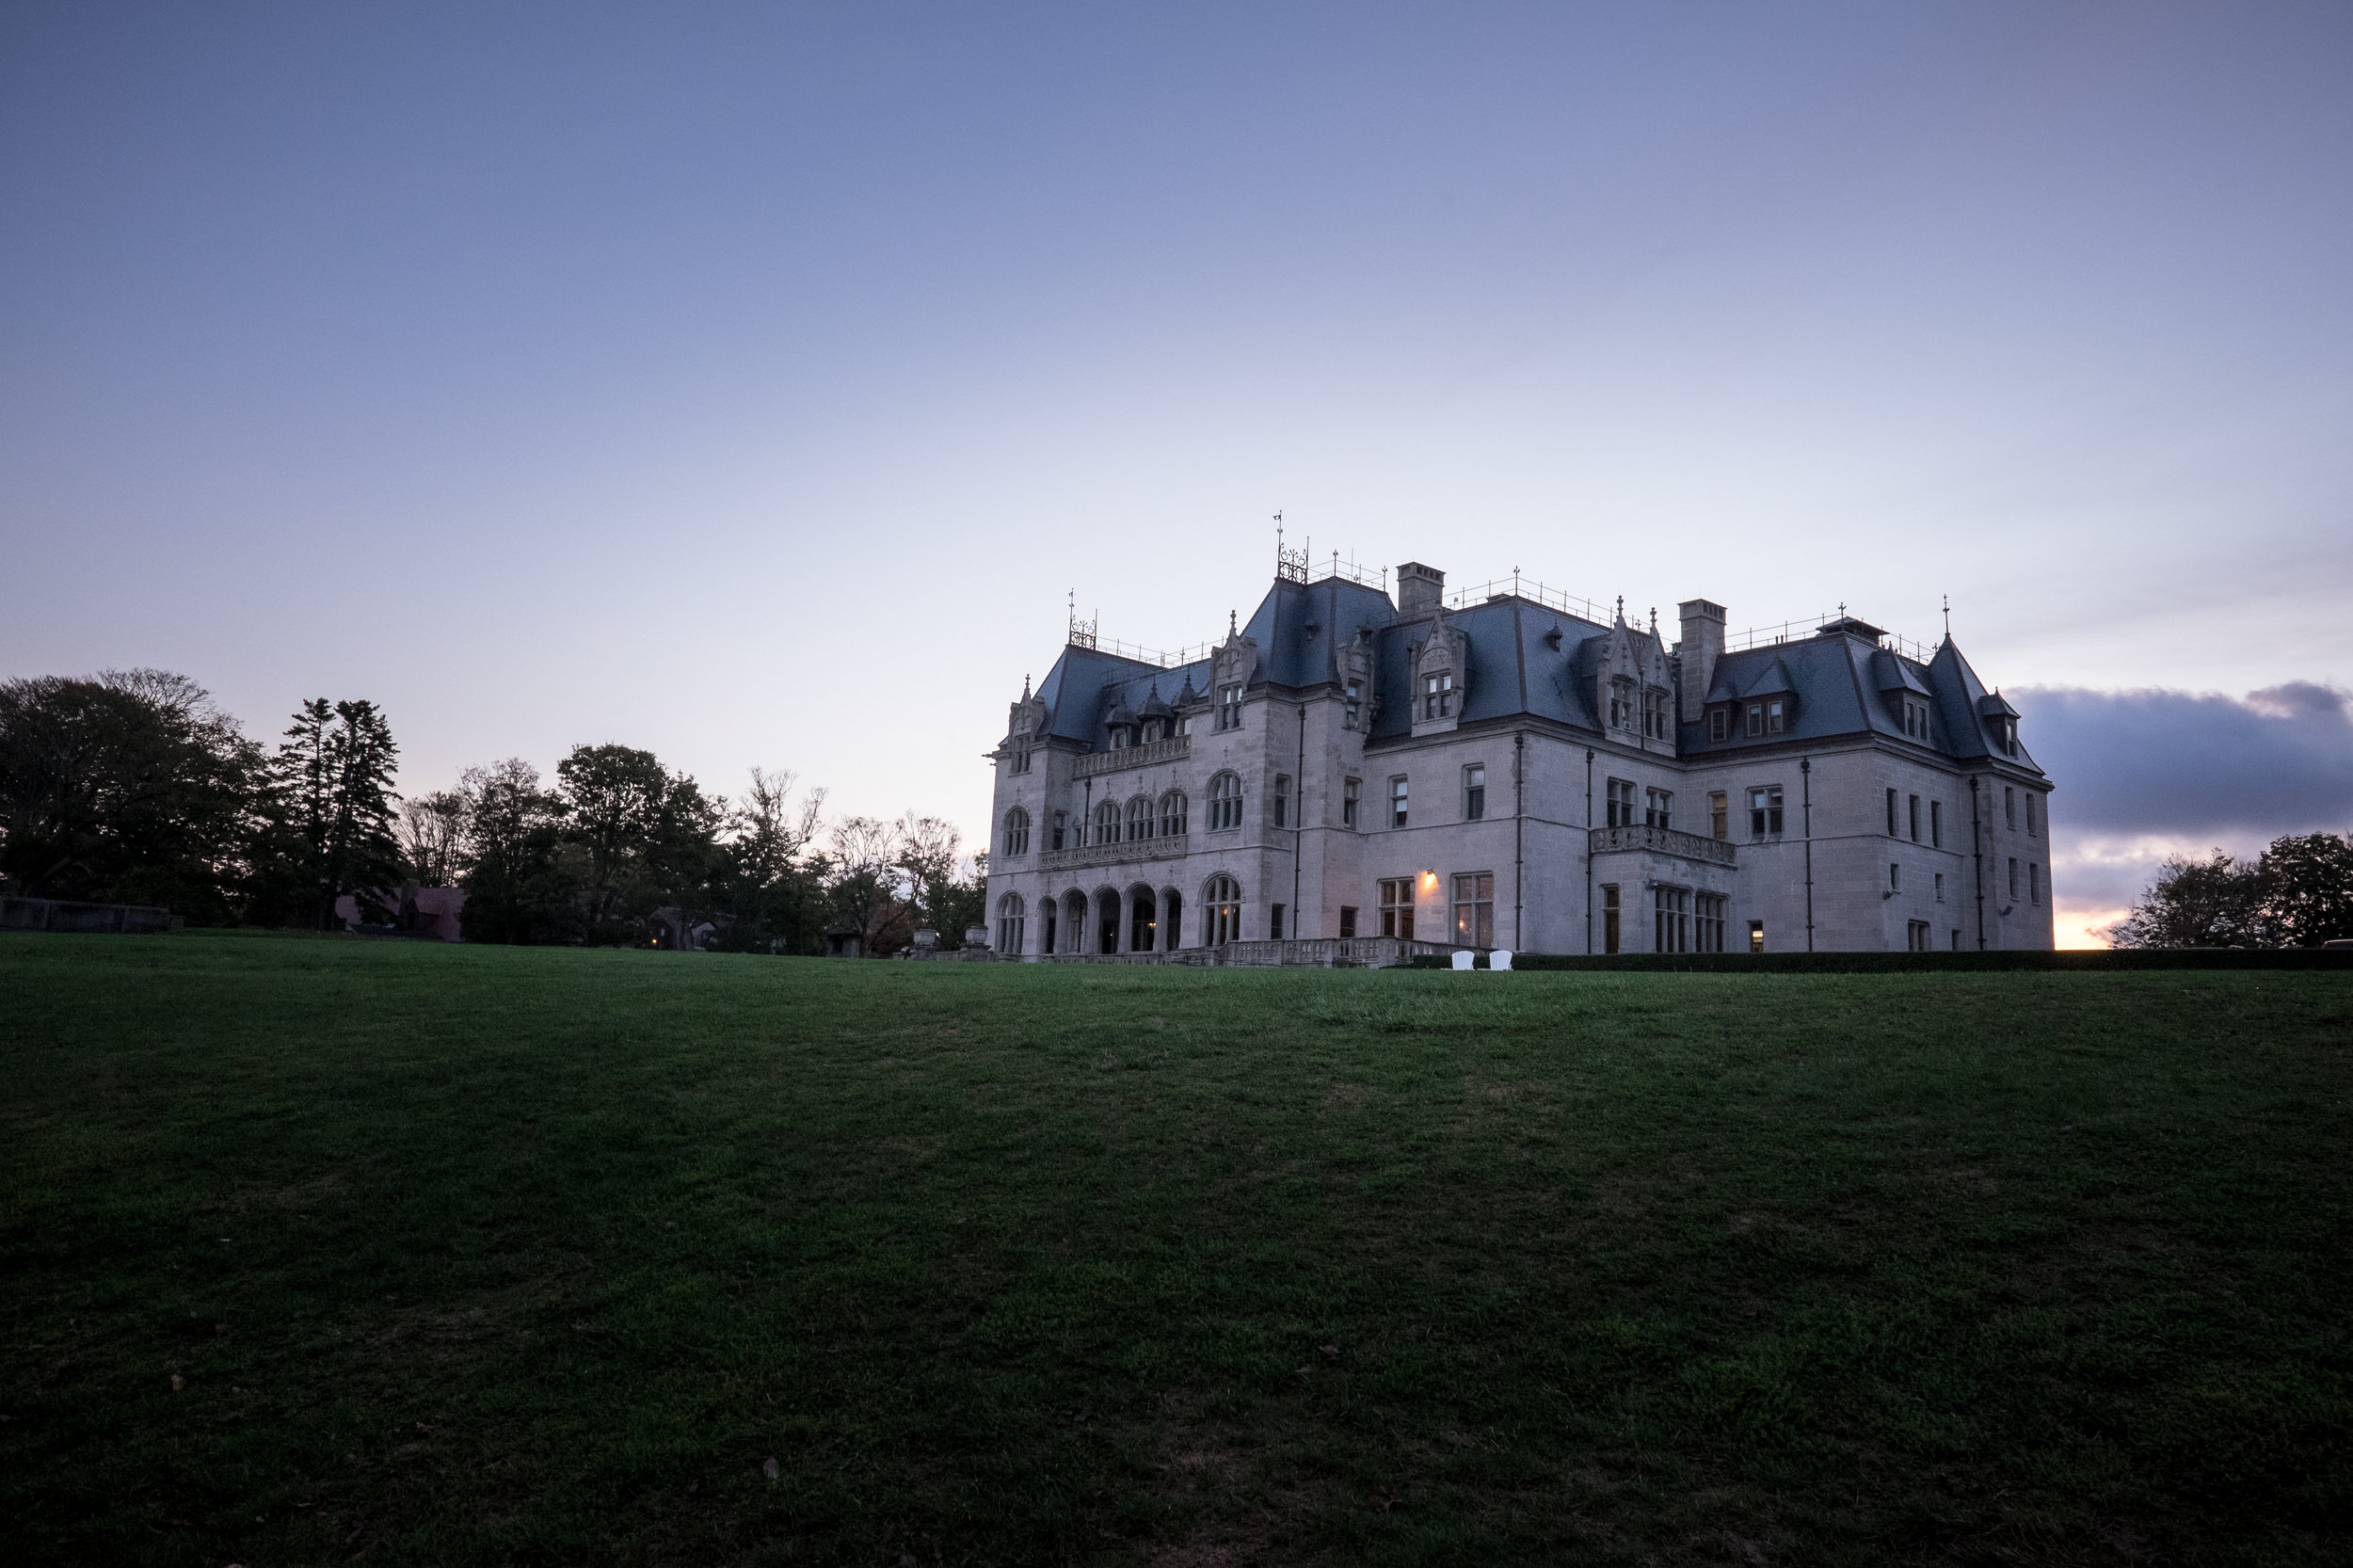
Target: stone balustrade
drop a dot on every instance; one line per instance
(1126, 852)
(1174, 748)
(1666, 840)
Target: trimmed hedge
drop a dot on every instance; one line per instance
(1885, 963)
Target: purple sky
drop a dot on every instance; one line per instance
(752, 384)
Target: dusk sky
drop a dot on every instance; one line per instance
(752, 385)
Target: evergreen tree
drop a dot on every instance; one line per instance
(335, 784)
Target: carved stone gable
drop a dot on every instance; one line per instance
(1441, 680)
(1236, 661)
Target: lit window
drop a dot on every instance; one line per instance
(1475, 909)
(1757, 936)
(1474, 791)
(1221, 912)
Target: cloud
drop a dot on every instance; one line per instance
(2162, 763)
(2142, 774)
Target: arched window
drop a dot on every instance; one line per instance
(1140, 817)
(1173, 918)
(1107, 823)
(1173, 814)
(1225, 802)
(1010, 922)
(1221, 912)
(1016, 831)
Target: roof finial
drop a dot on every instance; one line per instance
(1231, 629)
(1621, 608)
(1842, 609)
(1654, 620)
(1949, 618)
(1025, 686)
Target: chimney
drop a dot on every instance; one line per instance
(1420, 589)
(1703, 644)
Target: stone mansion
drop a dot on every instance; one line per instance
(1506, 768)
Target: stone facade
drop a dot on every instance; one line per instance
(1508, 773)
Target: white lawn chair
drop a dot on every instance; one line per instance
(1499, 959)
(1463, 960)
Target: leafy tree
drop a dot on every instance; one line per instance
(129, 787)
(765, 876)
(649, 836)
(2307, 889)
(949, 892)
(2213, 902)
(516, 889)
(335, 773)
(432, 834)
(865, 882)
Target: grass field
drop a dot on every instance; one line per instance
(320, 1250)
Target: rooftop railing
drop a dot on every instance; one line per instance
(1799, 631)
(1528, 588)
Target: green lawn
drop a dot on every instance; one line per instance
(321, 1250)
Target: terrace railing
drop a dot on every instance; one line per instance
(1126, 852)
(1172, 748)
(1666, 840)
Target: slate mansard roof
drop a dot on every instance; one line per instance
(1529, 661)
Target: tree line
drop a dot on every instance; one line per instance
(2297, 894)
(133, 787)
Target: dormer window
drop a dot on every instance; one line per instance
(1437, 696)
(1719, 724)
(1766, 717)
(1916, 720)
(1622, 705)
(1229, 706)
(1655, 714)
(1355, 700)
